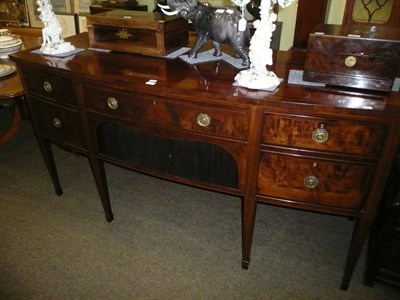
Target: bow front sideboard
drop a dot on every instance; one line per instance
(321, 149)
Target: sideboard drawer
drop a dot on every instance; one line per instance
(333, 135)
(58, 123)
(54, 87)
(214, 120)
(314, 181)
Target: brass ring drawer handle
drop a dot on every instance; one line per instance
(203, 120)
(311, 182)
(112, 103)
(47, 86)
(350, 61)
(57, 122)
(320, 135)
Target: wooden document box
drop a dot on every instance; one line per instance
(139, 32)
(364, 57)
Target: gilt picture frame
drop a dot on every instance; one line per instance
(14, 13)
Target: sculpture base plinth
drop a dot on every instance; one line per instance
(65, 54)
(254, 79)
(52, 49)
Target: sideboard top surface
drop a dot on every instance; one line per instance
(211, 82)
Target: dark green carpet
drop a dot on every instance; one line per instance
(168, 241)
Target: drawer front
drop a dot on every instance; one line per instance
(341, 136)
(58, 123)
(218, 121)
(314, 181)
(56, 88)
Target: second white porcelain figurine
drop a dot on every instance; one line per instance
(258, 76)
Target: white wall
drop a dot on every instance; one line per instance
(288, 18)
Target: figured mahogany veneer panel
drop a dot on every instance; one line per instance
(58, 123)
(344, 136)
(366, 66)
(338, 184)
(225, 122)
(374, 58)
(59, 88)
(354, 56)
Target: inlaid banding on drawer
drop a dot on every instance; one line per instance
(333, 135)
(314, 181)
(221, 121)
(56, 88)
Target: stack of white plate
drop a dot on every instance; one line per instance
(6, 69)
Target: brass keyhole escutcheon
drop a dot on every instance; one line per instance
(47, 86)
(57, 122)
(203, 120)
(350, 61)
(320, 135)
(311, 182)
(112, 103)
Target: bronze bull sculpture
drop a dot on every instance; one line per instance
(221, 25)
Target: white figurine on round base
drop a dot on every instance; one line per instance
(52, 44)
(257, 76)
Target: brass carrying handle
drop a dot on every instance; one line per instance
(311, 182)
(203, 120)
(320, 135)
(57, 122)
(47, 86)
(112, 103)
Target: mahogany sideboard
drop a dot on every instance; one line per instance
(321, 149)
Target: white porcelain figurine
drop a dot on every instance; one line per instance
(52, 42)
(258, 76)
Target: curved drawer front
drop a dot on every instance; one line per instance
(219, 121)
(56, 88)
(314, 181)
(59, 124)
(341, 136)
